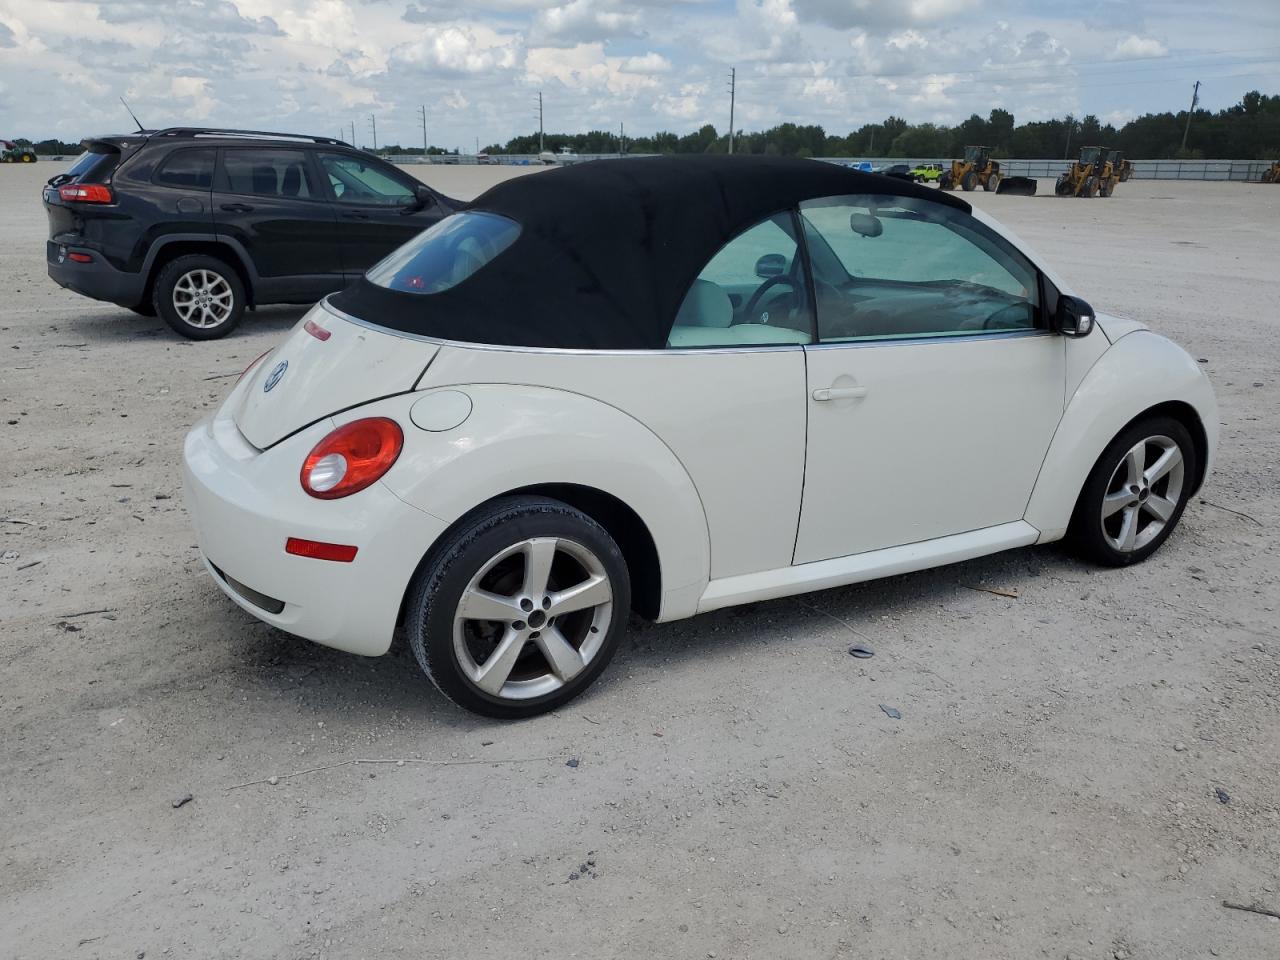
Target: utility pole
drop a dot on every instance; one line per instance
(622, 138)
(353, 133)
(373, 125)
(540, 146)
(422, 114)
(1195, 98)
(733, 84)
(1071, 126)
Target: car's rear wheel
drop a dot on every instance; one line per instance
(1136, 493)
(199, 296)
(520, 609)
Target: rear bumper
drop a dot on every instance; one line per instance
(246, 503)
(97, 279)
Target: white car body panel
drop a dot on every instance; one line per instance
(1138, 372)
(841, 571)
(247, 503)
(355, 364)
(948, 438)
(520, 436)
(734, 419)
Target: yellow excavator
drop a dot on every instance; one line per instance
(1273, 174)
(1092, 174)
(977, 167)
(1124, 168)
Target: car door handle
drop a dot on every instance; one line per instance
(355, 216)
(237, 208)
(839, 393)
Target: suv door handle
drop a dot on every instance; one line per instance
(355, 215)
(237, 208)
(839, 393)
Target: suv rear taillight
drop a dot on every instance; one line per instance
(351, 458)
(86, 193)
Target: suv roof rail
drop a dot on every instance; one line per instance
(246, 134)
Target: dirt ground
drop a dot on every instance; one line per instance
(1049, 790)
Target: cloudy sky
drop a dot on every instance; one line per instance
(318, 65)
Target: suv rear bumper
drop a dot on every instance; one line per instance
(97, 279)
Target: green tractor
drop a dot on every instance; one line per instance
(11, 152)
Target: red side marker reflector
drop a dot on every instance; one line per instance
(317, 331)
(337, 552)
(80, 257)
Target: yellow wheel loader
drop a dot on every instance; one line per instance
(1088, 176)
(977, 167)
(1272, 175)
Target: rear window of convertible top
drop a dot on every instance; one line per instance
(446, 254)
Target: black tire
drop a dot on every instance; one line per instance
(992, 183)
(198, 264)
(1063, 187)
(486, 534)
(970, 182)
(1090, 536)
(944, 182)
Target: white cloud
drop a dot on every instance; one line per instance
(457, 49)
(580, 21)
(1134, 47)
(649, 63)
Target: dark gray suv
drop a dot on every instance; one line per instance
(197, 224)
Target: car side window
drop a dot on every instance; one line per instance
(191, 169)
(752, 292)
(356, 181)
(268, 173)
(899, 268)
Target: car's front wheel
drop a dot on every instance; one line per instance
(199, 296)
(520, 609)
(1136, 493)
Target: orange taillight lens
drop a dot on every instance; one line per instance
(351, 458)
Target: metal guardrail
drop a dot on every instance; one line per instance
(1142, 169)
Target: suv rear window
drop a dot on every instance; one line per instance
(446, 254)
(192, 169)
(95, 165)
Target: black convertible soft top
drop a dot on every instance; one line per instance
(608, 249)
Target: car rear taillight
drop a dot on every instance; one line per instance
(79, 258)
(252, 364)
(351, 458)
(86, 193)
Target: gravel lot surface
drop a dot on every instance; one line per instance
(1049, 791)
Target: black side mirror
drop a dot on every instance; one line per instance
(423, 199)
(865, 225)
(1074, 318)
(771, 265)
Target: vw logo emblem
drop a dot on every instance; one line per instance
(275, 376)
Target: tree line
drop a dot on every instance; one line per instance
(1248, 130)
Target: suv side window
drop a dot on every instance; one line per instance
(268, 173)
(189, 169)
(899, 268)
(353, 180)
(752, 292)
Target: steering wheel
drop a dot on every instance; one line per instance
(761, 290)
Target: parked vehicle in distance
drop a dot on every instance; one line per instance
(199, 224)
(543, 413)
(11, 152)
(863, 166)
(927, 172)
(900, 170)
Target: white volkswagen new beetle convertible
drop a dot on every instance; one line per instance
(672, 385)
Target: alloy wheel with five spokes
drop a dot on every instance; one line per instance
(520, 607)
(1143, 493)
(532, 618)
